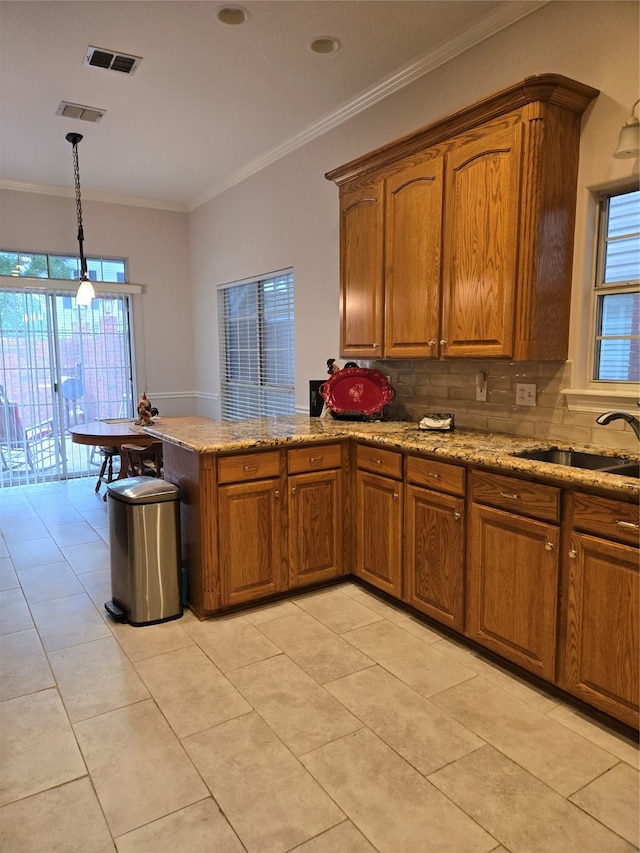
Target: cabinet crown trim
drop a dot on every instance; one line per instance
(552, 89)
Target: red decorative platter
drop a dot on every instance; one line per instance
(357, 390)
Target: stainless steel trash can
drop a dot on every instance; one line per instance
(144, 539)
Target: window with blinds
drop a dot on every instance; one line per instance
(617, 289)
(257, 347)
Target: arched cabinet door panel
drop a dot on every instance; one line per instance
(413, 250)
(361, 296)
(481, 230)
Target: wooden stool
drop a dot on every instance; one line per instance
(143, 461)
(108, 455)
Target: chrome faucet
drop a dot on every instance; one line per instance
(632, 420)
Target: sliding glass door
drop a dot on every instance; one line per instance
(61, 365)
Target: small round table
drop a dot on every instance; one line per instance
(113, 436)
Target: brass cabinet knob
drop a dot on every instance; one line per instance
(549, 546)
(573, 554)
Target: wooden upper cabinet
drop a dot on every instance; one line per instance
(413, 239)
(481, 228)
(361, 297)
(483, 268)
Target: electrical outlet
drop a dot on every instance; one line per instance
(525, 394)
(481, 387)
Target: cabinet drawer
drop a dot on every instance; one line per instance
(606, 517)
(435, 475)
(318, 458)
(518, 496)
(248, 466)
(378, 461)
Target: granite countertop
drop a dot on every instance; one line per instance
(495, 450)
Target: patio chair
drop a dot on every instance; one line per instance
(20, 446)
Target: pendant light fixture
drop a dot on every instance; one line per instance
(85, 290)
(629, 142)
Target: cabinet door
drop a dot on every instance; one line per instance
(315, 526)
(413, 238)
(480, 245)
(603, 615)
(512, 576)
(379, 531)
(249, 540)
(361, 275)
(434, 555)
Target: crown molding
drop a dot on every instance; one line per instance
(503, 17)
(94, 195)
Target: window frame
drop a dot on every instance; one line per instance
(600, 289)
(92, 262)
(269, 397)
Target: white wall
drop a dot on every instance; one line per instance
(156, 246)
(287, 215)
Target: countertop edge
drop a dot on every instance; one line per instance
(490, 450)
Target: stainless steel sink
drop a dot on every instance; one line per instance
(573, 458)
(590, 461)
(627, 469)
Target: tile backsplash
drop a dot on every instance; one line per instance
(450, 386)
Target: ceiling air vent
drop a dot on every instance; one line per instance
(112, 60)
(68, 110)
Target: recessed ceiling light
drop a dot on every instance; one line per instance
(325, 44)
(233, 15)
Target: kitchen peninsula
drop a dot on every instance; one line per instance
(538, 562)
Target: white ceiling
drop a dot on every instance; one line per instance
(210, 103)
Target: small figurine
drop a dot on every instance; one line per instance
(332, 367)
(145, 412)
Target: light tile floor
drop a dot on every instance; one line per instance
(328, 723)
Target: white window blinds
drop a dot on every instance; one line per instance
(617, 350)
(257, 347)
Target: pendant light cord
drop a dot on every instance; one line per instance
(74, 138)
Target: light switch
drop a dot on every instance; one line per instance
(525, 394)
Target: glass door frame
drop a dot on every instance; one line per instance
(61, 461)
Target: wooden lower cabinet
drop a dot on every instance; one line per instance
(379, 531)
(249, 541)
(512, 583)
(602, 661)
(434, 554)
(258, 523)
(315, 527)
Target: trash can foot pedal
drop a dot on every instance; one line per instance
(115, 612)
